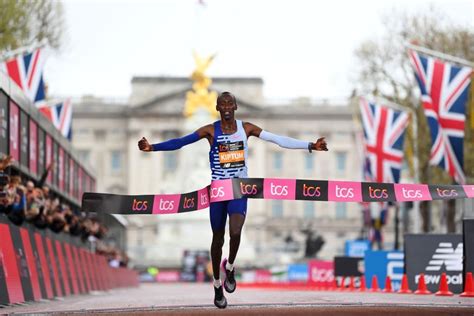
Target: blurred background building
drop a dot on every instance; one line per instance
(106, 133)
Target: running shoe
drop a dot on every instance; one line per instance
(229, 283)
(219, 298)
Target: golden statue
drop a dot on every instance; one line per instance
(201, 96)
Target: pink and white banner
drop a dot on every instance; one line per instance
(273, 189)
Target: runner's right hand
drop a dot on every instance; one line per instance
(143, 145)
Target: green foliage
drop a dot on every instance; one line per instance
(24, 23)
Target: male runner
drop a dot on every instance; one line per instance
(225, 136)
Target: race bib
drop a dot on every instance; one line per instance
(232, 155)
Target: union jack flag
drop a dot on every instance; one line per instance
(384, 132)
(444, 90)
(27, 72)
(60, 115)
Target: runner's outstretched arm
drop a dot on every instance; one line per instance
(284, 141)
(176, 143)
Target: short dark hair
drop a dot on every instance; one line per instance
(226, 93)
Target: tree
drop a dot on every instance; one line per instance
(24, 23)
(385, 70)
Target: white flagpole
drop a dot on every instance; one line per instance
(434, 53)
(22, 50)
(416, 204)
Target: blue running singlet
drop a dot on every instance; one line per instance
(228, 154)
(228, 159)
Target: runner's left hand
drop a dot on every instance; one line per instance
(320, 145)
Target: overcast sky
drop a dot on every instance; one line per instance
(299, 48)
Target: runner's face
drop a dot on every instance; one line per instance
(226, 107)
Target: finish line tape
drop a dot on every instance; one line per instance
(271, 189)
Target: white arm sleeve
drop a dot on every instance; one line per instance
(283, 141)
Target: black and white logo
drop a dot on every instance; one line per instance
(431, 255)
(448, 256)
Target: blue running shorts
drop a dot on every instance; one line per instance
(219, 210)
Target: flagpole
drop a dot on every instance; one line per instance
(22, 50)
(416, 173)
(440, 55)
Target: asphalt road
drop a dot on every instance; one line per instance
(197, 299)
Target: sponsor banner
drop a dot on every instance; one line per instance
(53, 266)
(321, 273)
(433, 254)
(166, 204)
(356, 248)
(3, 282)
(14, 127)
(247, 188)
(31, 263)
(346, 267)
(276, 189)
(221, 190)
(446, 192)
(298, 272)
(188, 202)
(24, 137)
(38, 264)
(377, 192)
(22, 263)
(412, 192)
(279, 189)
(79, 272)
(468, 246)
(49, 157)
(383, 264)
(311, 190)
(469, 189)
(43, 267)
(203, 198)
(33, 130)
(345, 191)
(4, 136)
(72, 269)
(10, 267)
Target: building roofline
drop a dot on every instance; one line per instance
(142, 79)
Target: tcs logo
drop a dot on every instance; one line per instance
(312, 191)
(344, 192)
(166, 205)
(139, 205)
(188, 203)
(322, 275)
(216, 192)
(278, 189)
(204, 199)
(248, 189)
(378, 193)
(411, 194)
(446, 192)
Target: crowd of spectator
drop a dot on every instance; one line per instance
(24, 200)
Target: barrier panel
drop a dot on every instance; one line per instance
(384, 264)
(345, 267)
(321, 273)
(468, 247)
(433, 254)
(39, 264)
